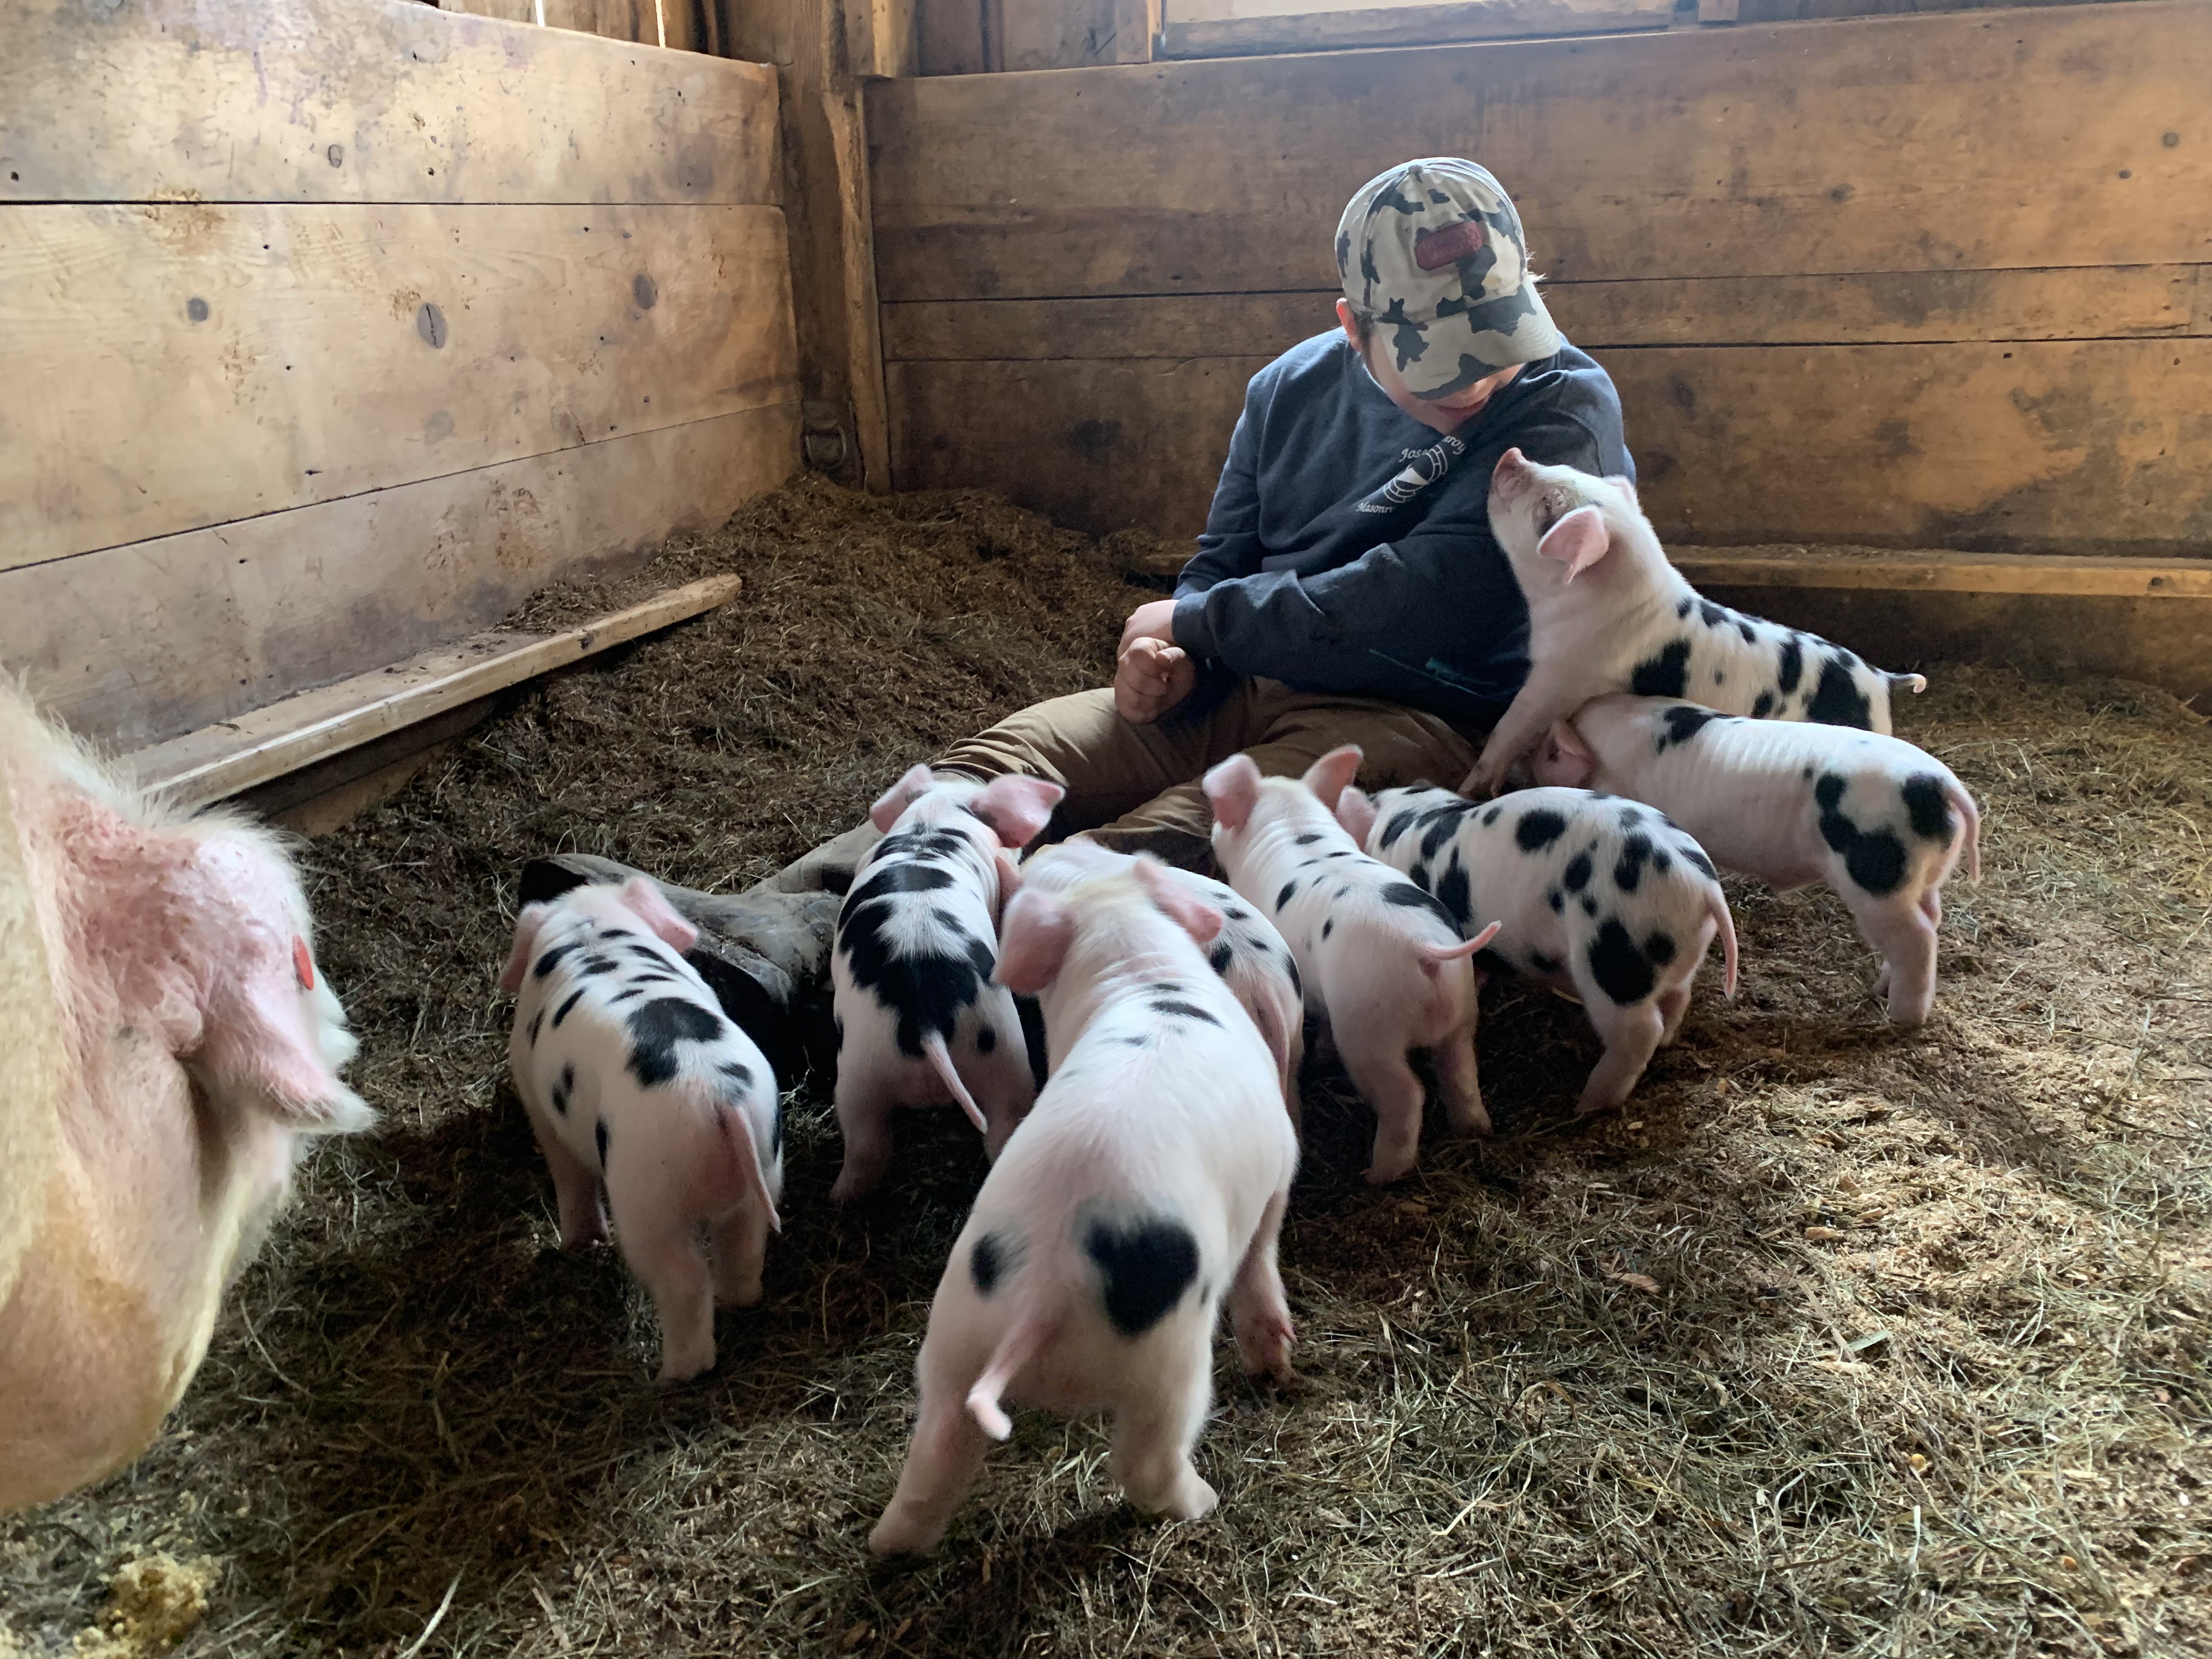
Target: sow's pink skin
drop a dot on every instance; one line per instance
(1880, 821)
(920, 1022)
(638, 1087)
(1147, 1185)
(170, 1039)
(1608, 613)
(1248, 954)
(1380, 959)
(1599, 897)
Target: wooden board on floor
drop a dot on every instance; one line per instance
(133, 645)
(364, 101)
(1930, 306)
(300, 731)
(2065, 135)
(1330, 27)
(194, 364)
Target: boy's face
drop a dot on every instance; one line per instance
(1440, 414)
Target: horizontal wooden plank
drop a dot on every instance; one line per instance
(2083, 447)
(365, 100)
(1324, 29)
(1894, 307)
(219, 760)
(2068, 134)
(133, 645)
(188, 365)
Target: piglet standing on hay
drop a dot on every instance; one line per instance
(1598, 897)
(1607, 612)
(167, 1041)
(920, 1022)
(1381, 960)
(1248, 953)
(638, 1085)
(1149, 1182)
(1880, 821)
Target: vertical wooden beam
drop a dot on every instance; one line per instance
(953, 37)
(833, 261)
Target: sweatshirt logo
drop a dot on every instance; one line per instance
(1423, 468)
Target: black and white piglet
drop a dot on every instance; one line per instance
(1596, 895)
(1607, 612)
(1879, 820)
(637, 1084)
(919, 1021)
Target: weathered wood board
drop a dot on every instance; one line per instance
(228, 101)
(189, 364)
(137, 644)
(1784, 150)
(1221, 28)
(1041, 35)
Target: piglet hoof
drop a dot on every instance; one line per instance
(1469, 1117)
(1382, 1172)
(1194, 1499)
(1264, 1347)
(745, 1294)
(848, 1187)
(892, 1539)
(680, 1366)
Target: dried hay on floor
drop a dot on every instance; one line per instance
(1838, 1340)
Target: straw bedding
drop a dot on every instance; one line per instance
(1838, 1340)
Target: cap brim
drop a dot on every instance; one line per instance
(1467, 346)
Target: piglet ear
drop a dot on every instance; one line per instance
(1017, 807)
(1034, 942)
(1626, 485)
(1564, 761)
(1355, 811)
(1329, 776)
(1010, 881)
(525, 941)
(1191, 913)
(1233, 786)
(642, 895)
(1578, 541)
(901, 795)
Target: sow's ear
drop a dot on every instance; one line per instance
(525, 941)
(1578, 541)
(1191, 913)
(1233, 786)
(1564, 761)
(643, 896)
(1329, 776)
(900, 796)
(1355, 811)
(1016, 807)
(1033, 942)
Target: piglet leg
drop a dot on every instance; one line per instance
(942, 1464)
(740, 1245)
(1378, 1070)
(864, 1116)
(1258, 1309)
(1545, 698)
(1631, 1035)
(1899, 929)
(1154, 1433)
(576, 1186)
(1459, 1085)
(665, 1253)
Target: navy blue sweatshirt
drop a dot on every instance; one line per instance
(1349, 546)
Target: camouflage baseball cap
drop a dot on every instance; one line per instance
(1432, 250)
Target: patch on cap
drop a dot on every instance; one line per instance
(1434, 249)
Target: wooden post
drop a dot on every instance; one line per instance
(825, 173)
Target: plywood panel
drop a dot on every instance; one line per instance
(2094, 303)
(1971, 141)
(2092, 447)
(137, 644)
(187, 365)
(364, 101)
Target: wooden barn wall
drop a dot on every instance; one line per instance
(335, 329)
(1928, 281)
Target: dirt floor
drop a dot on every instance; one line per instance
(1839, 1341)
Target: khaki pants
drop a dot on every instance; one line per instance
(1136, 788)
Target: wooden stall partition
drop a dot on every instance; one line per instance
(337, 330)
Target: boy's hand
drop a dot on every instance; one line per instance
(1151, 679)
(1153, 620)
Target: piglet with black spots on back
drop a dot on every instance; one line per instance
(1599, 897)
(1146, 1189)
(1880, 821)
(638, 1085)
(1381, 960)
(920, 1022)
(1607, 612)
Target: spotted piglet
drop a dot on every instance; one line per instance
(1248, 953)
(1597, 896)
(637, 1085)
(1880, 821)
(1632, 623)
(1381, 959)
(919, 1021)
(1148, 1184)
